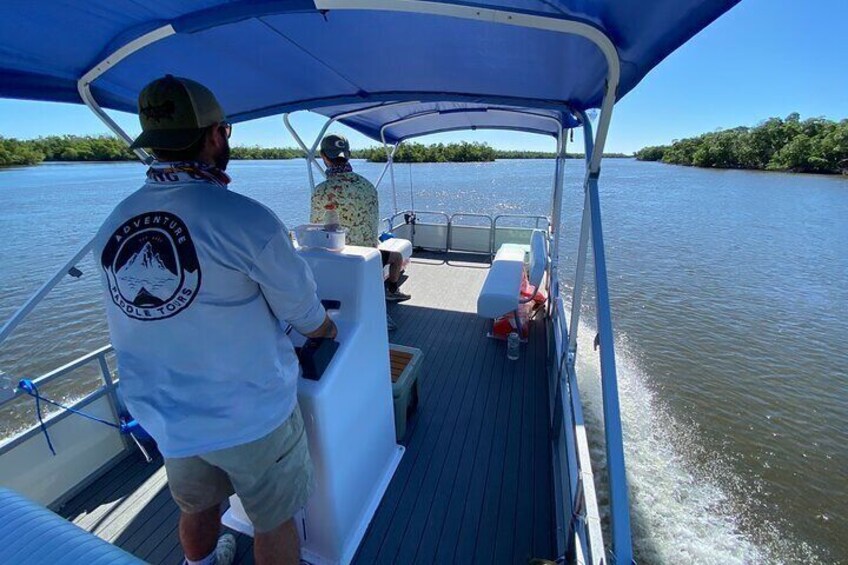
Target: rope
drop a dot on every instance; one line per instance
(31, 389)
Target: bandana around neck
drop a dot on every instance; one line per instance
(339, 169)
(186, 170)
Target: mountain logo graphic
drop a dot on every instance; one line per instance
(152, 267)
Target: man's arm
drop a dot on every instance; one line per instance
(289, 289)
(327, 329)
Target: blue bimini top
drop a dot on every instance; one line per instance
(266, 57)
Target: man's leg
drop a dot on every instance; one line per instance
(273, 477)
(199, 532)
(280, 546)
(198, 488)
(395, 262)
(395, 269)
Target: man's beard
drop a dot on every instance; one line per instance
(223, 158)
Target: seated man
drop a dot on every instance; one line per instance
(355, 201)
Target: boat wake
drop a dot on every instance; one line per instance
(681, 511)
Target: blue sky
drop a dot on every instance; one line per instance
(764, 58)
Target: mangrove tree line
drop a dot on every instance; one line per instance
(815, 145)
(107, 148)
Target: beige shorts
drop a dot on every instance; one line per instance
(273, 476)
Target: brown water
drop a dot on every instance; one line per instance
(730, 301)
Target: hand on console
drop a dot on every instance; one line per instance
(327, 329)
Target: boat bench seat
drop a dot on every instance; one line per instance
(32, 534)
(402, 246)
(500, 292)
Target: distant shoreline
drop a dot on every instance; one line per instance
(815, 146)
(108, 149)
(137, 162)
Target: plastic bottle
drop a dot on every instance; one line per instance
(331, 220)
(512, 344)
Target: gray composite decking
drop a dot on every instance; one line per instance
(474, 485)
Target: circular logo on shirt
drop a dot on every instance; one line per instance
(151, 266)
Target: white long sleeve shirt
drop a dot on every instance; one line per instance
(199, 283)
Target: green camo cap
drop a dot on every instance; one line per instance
(334, 146)
(174, 111)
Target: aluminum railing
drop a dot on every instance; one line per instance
(107, 388)
(453, 224)
(540, 222)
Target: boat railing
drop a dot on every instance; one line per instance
(82, 447)
(469, 238)
(455, 235)
(106, 388)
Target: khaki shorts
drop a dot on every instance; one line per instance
(273, 476)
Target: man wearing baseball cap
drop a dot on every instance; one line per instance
(199, 282)
(355, 201)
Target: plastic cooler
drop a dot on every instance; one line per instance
(405, 365)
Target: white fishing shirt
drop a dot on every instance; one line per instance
(199, 284)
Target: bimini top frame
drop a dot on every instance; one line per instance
(619, 501)
(130, 46)
(436, 118)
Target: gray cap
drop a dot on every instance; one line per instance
(334, 146)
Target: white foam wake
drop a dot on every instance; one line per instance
(678, 517)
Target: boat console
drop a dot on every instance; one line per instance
(345, 395)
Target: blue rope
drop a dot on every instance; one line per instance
(29, 387)
(41, 421)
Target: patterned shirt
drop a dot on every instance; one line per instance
(355, 200)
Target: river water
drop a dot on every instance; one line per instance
(730, 301)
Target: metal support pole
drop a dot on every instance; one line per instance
(30, 304)
(577, 294)
(619, 499)
(412, 195)
(385, 170)
(310, 161)
(85, 81)
(583, 245)
(391, 162)
(556, 211)
(622, 545)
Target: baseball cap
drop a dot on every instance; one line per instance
(174, 111)
(334, 146)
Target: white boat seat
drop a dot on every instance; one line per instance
(34, 535)
(500, 291)
(402, 246)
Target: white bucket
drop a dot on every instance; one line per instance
(316, 235)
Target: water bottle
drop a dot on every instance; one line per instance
(331, 220)
(512, 343)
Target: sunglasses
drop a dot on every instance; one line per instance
(227, 128)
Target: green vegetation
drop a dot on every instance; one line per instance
(437, 153)
(14, 152)
(107, 148)
(102, 148)
(263, 153)
(815, 145)
(462, 152)
(82, 148)
(63, 148)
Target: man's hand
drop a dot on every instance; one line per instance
(326, 329)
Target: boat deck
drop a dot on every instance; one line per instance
(475, 484)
